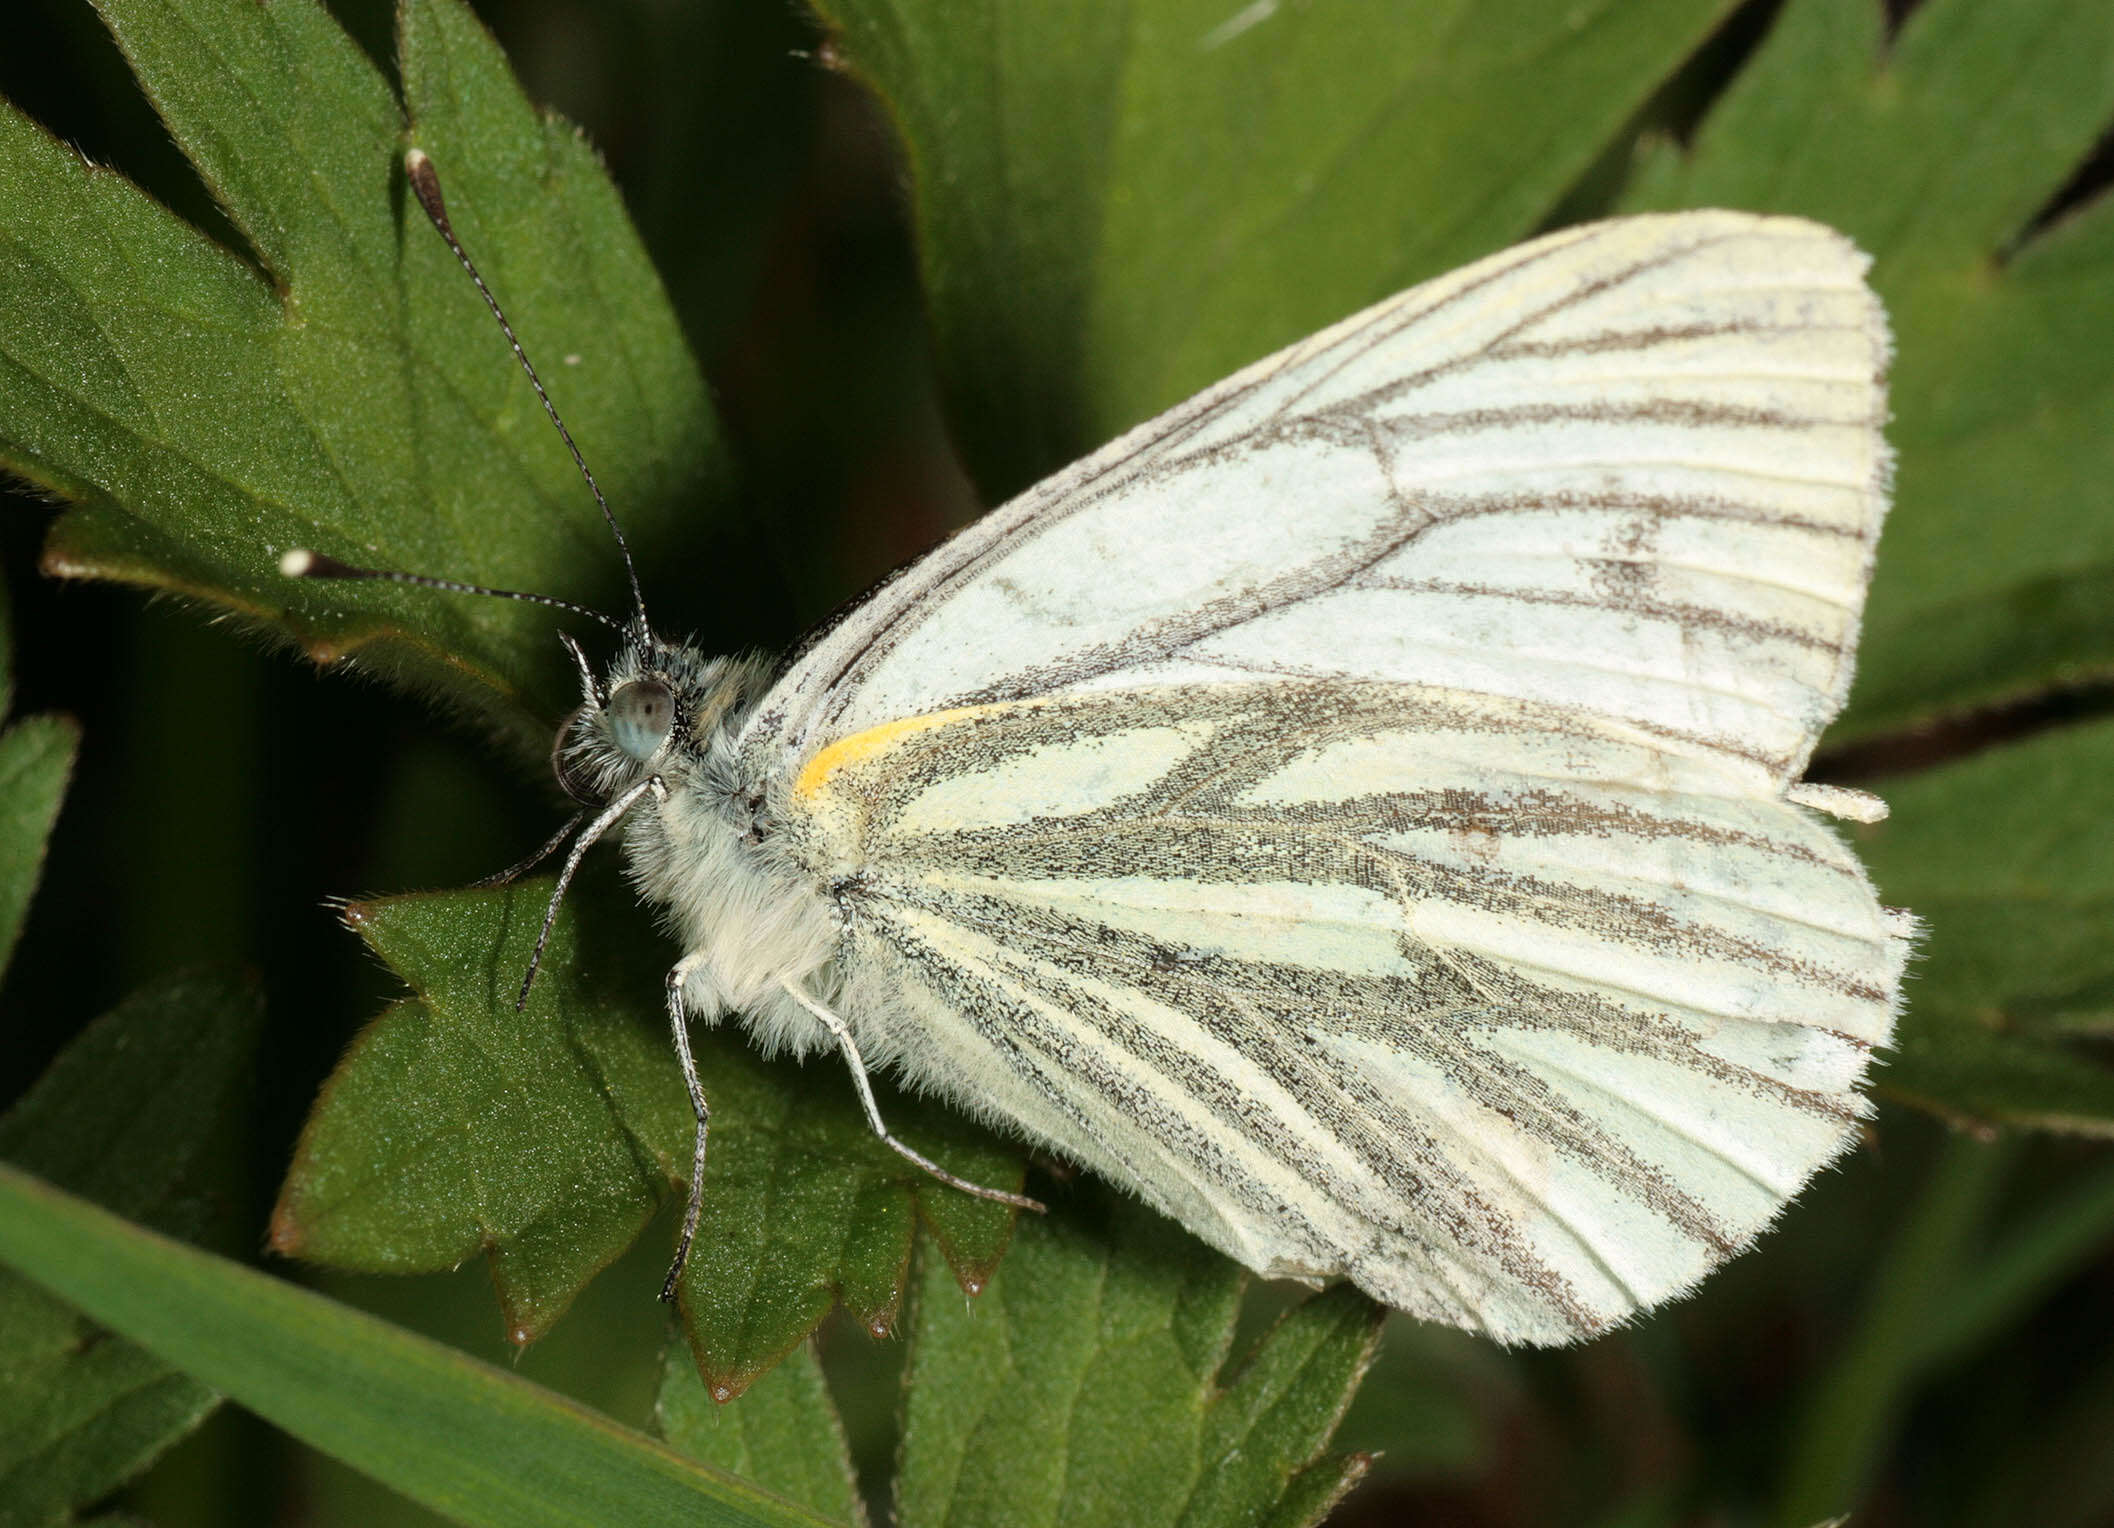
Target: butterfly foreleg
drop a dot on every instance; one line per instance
(679, 1022)
(850, 1047)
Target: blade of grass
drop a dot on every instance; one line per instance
(462, 1437)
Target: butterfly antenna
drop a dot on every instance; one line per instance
(425, 185)
(304, 563)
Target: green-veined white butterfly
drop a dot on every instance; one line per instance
(1358, 810)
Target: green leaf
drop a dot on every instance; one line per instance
(1118, 206)
(2008, 856)
(129, 1110)
(472, 1441)
(783, 1432)
(204, 415)
(1084, 1387)
(1934, 153)
(547, 1138)
(126, 1115)
(36, 761)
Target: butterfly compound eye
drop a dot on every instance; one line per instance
(640, 714)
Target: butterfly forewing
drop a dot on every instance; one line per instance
(1634, 466)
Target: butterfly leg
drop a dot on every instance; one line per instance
(852, 1059)
(678, 1021)
(514, 873)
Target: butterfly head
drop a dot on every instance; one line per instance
(652, 713)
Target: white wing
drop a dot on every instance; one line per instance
(1634, 466)
(1352, 808)
(1493, 1007)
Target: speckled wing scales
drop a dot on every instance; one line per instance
(1359, 809)
(1493, 1007)
(1635, 466)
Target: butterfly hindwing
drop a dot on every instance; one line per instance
(1495, 1007)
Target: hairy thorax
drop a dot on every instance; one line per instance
(749, 915)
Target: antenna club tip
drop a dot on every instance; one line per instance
(425, 185)
(300, 562)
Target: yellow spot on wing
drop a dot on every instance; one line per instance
(862, 746)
